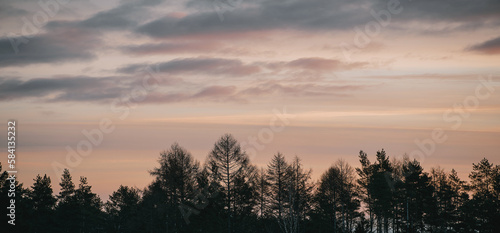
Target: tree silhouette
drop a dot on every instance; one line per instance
(486, 196)
(229, 165)
(337, 198)
(89, 213)
(176, 178)
(230, 194)
(122, 208)
(67, 204)
(277, 172)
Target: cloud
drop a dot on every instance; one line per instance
(320, 15)
(80, 39)
(62, 44)
(124, 16)
(68, 40)
(247, 93)
(99, 90)
(60, 89)
(236, 68)
(267, 15)
(102, 90)
(449, 10)
(214, 66)
(170, 48)
(8, 11)
(213, 93)
(488, 47)
(298, 90)
(322, 64)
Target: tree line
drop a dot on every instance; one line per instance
(229, 194)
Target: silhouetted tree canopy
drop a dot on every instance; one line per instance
(230, 194)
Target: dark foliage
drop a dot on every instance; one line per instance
(229, 194)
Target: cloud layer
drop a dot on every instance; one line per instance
(488, 47)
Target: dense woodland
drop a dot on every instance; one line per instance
(228, 194)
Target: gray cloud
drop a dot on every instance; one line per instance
(322, 64)
(449, 10)
(488, 47)
(63, 44)
(7, 10)
(60, 89)
(171, 47)
(236, 68)
(321, 15)
(214, 66)
(310, 15)
(68, 40)
(210, 93)
(124, 16)
(264, 89)
(298, 90)
(78, 40)
(101, 90)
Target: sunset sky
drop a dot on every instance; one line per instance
(350, 75)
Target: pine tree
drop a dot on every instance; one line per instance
(43, 204)
(380, 188)
(67, 206)
(459, 197)
(365, 174)
(67, 187)
(486, 196)
(122, 208)
(89, 213)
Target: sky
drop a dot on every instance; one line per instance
(102, 87)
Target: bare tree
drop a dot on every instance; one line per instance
(228, 164)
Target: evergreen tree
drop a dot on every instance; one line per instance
(365, 174)
(380, 189)
(419, 192)
(67, 206)
(43, 203)
(152, 209)
(486, 196)
(89, 213)
(122, 208)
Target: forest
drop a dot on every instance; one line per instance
(227, 193)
